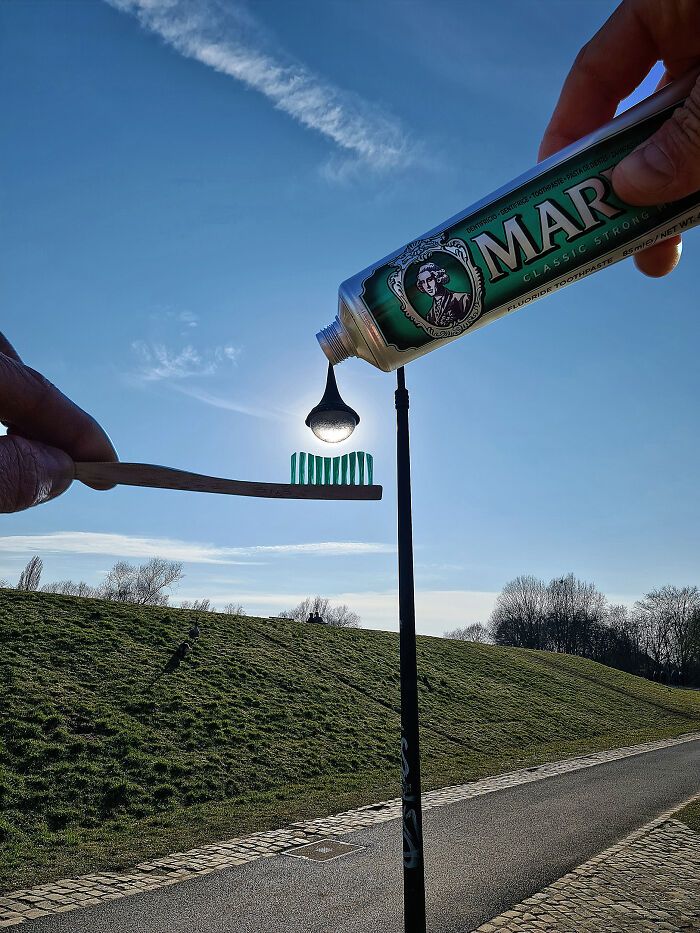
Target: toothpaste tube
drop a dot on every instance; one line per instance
(548, 228)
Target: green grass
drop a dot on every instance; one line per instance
(690, 815)
(265, 723)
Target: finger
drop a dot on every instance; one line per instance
(605, 71)
(667, 166)
(609, 67)
(36, 410)
(7, 348)
(31, 473)
(661, 258)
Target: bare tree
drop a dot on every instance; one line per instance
(520, 613)
(575, 608)
(154, 578)
(659, 638)
(118, 585)
(234, 609)
(475, 631)
(685, 611)
(312, 605)
(320, 606)
(565, 615)
(620, 619)
(668, 618)
(695, 642)
(655, 633)
(144, 585)
(342, 617)
(30, 577)
(626, 635)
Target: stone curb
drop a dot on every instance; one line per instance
(87, 890)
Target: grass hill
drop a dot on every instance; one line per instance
(265, 723)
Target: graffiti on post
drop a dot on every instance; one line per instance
(411, 835)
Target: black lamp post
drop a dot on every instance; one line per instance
(411, 806)
(332, 420)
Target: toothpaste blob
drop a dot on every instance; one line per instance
(552, 226)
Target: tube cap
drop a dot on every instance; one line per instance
(335, 342)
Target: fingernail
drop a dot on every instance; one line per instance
(646, 171)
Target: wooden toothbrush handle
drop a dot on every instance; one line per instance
(160, 477)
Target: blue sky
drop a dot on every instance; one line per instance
(181, 197)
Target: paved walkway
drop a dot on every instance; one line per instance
(59, 897)
(648, 882)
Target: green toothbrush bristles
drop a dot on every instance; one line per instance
(354, 469)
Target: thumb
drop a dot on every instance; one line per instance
(667, 166)
(31, 473)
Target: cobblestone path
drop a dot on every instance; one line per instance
(649, 881)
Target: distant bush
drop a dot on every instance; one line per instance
(198, 605)
(321, 608)
(476, 632)
(234, 609)
(69, 588)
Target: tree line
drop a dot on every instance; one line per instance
(149, 584)
(657, 638)
(146, 584)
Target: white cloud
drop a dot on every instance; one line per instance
(224, 36)
(158, 363)
(189, 318)
(177, 369)
(229, 404)
(226, 353)
(118, 545)
(327, 548)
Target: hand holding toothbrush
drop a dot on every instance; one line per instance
(47, 432)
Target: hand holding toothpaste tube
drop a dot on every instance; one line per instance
(46, 434)
(667, 166)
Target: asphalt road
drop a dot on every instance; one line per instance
(482, 856)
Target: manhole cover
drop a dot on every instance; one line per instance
(323, 851)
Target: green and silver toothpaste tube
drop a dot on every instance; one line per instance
(552, 226)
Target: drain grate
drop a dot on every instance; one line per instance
(323, 851)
